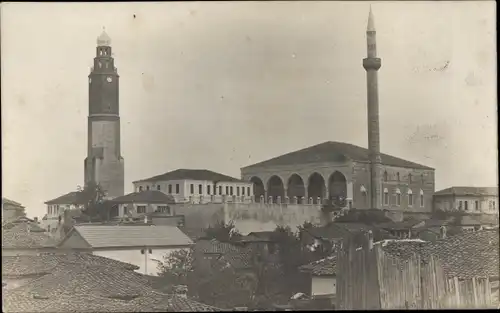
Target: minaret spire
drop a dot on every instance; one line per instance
(372, 64)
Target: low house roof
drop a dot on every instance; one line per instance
(191, 174)
(332, 151)
(335, 230)
(12, 203)
(400, 225)
(108, 236)
(323, 267)
(465, 255)
(74, 197)
(468, 191)
(146, 196)
(82, 288)
(237, 256)
(23, 234)
(27, 265)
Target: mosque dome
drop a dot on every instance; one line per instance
(104, 39)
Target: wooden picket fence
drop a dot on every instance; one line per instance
(370, 279)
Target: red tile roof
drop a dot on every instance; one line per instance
(332, 151)
(25, 265)
(25, 235)
(323, 267)
(465, 255)
(191, 174)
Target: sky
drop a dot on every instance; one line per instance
(222, 85)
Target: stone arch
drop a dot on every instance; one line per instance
(316, 186)
(296, 186)
(275, 188)
(258, 187)
(337, 186)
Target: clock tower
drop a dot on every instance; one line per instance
(104, 164)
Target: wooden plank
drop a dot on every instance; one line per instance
(474, 292)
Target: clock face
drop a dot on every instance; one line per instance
(109, 79)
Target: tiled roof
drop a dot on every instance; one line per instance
(12, 203)
(194, 233)
(25, 265)
(465, 255)
(468, 191)
(399, 225)
(331, 151)
(81, 288)
(237, 256)
(73, 197)
(25, 235)
(191, 174)
(323, 267)
(215, 246)
(343, 230)
(147, 196)
(103, 236)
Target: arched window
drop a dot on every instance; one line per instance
(397, 176)
(421, 198)
(147, 187)
(398, 197)
(140, 188)
(410, 197)
(385, 175)
(386, 196)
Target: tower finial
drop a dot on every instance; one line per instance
(371, 23)
(103, 39)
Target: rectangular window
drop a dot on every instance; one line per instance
(163, 209)
(422, 200)
(242, 191)
(192, 188)
(386, 198)
(231, 188)
(141, 209)
(398, 199)
(466, 205)
(460, 205)
(477, 205)
(200, 189)
(177, 188)
(170, 189)
(410, 200)
(238, 191)
(227, 190)
(248, 189)
(158, 187)
(208, 189)
(220, 190)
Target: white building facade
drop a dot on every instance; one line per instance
(198, 186)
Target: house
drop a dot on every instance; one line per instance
(96, 286)
(140, 245)
(402, 230)
(23, 236)
(209, 251)
(323, 279)
(467, 199)
(11, 210)
(142, 202)
(22, 269)
(71, 201)
(198, 186)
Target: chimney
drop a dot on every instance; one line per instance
(443, 232)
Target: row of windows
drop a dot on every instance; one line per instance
(398, 178)
(169, 187)
(229, 190)
(398, 199)
(464, 205)
(141, 209)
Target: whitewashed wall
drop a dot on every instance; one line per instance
(322, 285)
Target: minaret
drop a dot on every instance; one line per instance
(104, 163)
(372, 64)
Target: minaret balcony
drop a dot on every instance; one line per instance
(372, 63)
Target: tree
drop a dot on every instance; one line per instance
(222, 232)
(176, 267)
(92, 200)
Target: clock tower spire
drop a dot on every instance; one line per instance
(104, 163)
